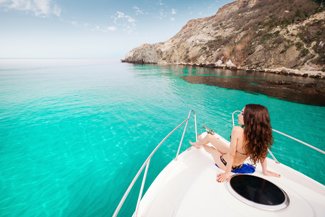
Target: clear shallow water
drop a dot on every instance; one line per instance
(73, 136)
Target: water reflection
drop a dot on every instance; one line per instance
(291, 88)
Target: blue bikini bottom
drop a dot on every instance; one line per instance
(244, 168)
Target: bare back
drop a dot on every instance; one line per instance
(238, 140)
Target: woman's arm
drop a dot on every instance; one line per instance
(232, 151)
(266, 171)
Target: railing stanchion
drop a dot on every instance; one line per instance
(141, 189)
(233, 118)
(181, 142)
(272, 155)
(195, 126)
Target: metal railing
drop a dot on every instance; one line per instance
(283, 134)
(146, 164)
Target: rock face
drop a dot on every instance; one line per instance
(268, 35)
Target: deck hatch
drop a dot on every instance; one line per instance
(258, 192)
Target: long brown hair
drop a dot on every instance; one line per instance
(257, 131)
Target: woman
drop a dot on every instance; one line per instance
(251, 140)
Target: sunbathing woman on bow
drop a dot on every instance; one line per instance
(252, 140)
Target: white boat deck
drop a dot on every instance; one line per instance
(187, 187)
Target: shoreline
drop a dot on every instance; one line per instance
(282, 83)
(280, 71)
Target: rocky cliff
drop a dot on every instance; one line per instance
(264, 35)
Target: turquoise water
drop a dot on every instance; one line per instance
(73, 136)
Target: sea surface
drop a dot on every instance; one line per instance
(73, 133)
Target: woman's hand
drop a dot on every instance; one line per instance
(270, 173)
(223, 177)
(267, 172)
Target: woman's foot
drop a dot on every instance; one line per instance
(195, 144)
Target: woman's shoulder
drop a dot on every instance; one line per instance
(237, 132)
(237, 129)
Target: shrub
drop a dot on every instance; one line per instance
(299, 45)
(304, 52)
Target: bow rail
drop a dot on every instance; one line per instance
(146, 164)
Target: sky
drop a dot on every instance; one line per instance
(93, 28)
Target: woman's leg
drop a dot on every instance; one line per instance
(213, 140)
(216, 156)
